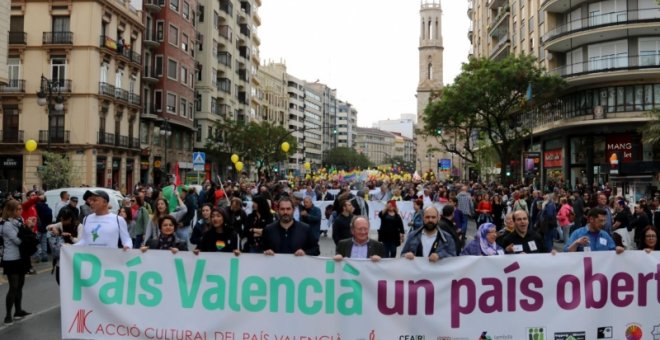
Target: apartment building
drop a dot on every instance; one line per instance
(272, 94)
(296, 120)
(4, 27)
(168, 78)
(346, 124)
(609, 54)
(378, 145)
(404, 125)
(74, 87)
(328, 114)
(228, 59)
(313, 126)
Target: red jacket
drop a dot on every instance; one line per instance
(29, 210)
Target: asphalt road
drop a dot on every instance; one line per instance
(41, 297)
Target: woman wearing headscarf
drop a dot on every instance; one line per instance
(484, 242)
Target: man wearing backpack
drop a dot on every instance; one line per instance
(103, 228)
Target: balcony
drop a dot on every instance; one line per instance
(245, 30)
(227, 7)
(500, 20)
(136, 57)
(224, 58)
(134, 99)
(151, 6)
(224, 110)
(623, 66)
(12, 136)
(470, 10)
(224, 85)
(121, 94)
(62, 85)
(134, 143)
(501, 49)
(13, 86)
(17, 38)
(245, 7)
(57, 38)
(123, 141)
(106, 89)
(149, 76)
(106, 138)
(600, 28)
(54, 136)
(225, 32)
(108, 43)
(150, 40)
(496, 3)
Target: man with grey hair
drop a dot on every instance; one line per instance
(360, 246)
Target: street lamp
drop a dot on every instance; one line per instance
(49, 95)
(166, 131)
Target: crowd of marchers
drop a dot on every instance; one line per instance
(284, 219)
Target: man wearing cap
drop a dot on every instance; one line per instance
(103, 228)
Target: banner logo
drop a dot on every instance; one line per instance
(604, 332)
(634, 332)
(536, 333)
(80, 321)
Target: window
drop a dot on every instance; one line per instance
(173, 35)
(174, 5)
(198, 132)
(14, 66)
(183, 107)
(186, 10)
(172, 66)
(158, 101)
(58, 70)
(612, 54)
(190, 110)
(184, 42)
(200, 41)
(209, 132)
(198, 71)
(159, 30)
(159, 65)
(200, 12)
(60, 24)
(184, 75)
(649, 51)
(171, 103)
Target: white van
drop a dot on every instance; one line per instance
(53, 196)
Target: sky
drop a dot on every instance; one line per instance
(366, 49)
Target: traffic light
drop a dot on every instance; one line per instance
(276, 169)
(438, 131)
(334, 131)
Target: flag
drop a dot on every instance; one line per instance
(177, 176)
(170, 197)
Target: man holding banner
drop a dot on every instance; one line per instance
(287, 236)
(522, 240)
(592, 237)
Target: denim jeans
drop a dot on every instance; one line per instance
(549, 237)
(42, 250)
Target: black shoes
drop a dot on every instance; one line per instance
(8, 320)
(20, 314)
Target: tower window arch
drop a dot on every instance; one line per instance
(430, 30)
(430, 71)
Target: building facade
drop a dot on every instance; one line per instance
(609, 54)
(227, 62)
(405, 125)
(272, 94)
(5, 16)
(346, 124)
(430, 75)
(84, 58)
(296, 115)
(377, 145)
(168, 79)
(313, 126)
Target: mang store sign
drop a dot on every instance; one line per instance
(626, 147)
(114, 294)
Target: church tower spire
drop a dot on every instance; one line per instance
(430, 76)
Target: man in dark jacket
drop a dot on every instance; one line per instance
(287, 236)
(341, 227)
(360, 246)
(311, 215)
(44, 217)
(447, 224)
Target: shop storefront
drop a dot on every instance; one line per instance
(11, 173)
(553, 162)
(101, 164)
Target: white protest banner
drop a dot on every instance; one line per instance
(406, 211)
(113, 294)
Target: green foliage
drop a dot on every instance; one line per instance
(346, 158)
(258, 143)
(651, 131)
(486, 105)
(56, 171)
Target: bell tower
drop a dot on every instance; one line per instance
(430, 77)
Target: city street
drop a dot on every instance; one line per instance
(41, 297)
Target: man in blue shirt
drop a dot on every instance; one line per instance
(591, 237)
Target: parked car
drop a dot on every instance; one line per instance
(53, 196)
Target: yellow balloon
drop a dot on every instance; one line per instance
(285, 147)
(239, 166)
(30, 145)
(308, 166)
(234, 158)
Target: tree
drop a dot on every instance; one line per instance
(253, 142)
(487, 104)
(651, 131)
(346, 158)
(56, 171)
